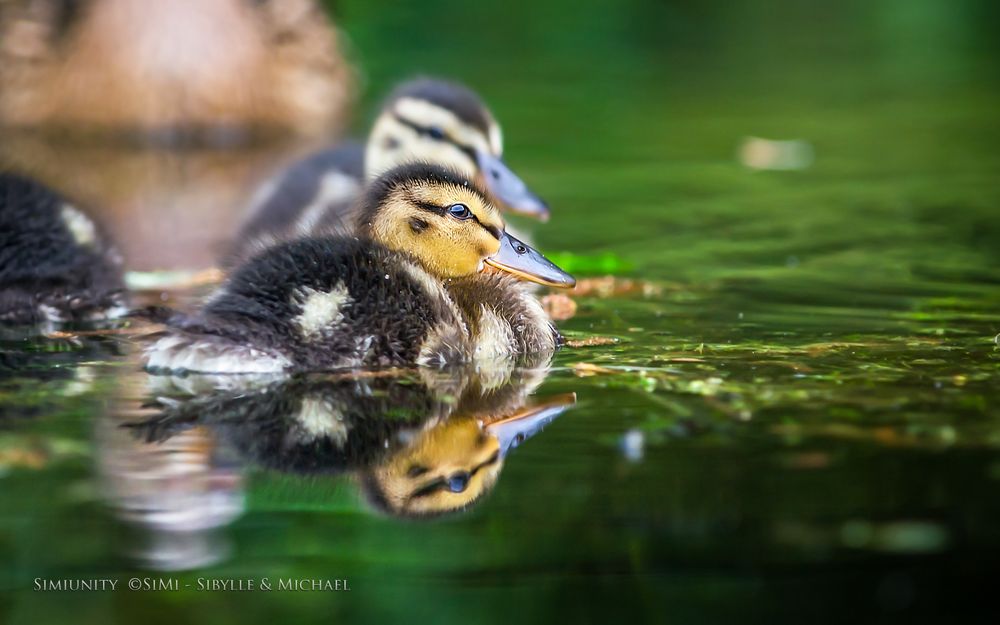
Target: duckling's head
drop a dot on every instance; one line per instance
(451, 464)
(442, 122)
(445, 468)
(449, 225)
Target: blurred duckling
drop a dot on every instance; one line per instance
(384, 298)
(164, 69)
(423, 120)
(56, 265)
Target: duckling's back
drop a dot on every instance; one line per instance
(318, 303)
(313, 196)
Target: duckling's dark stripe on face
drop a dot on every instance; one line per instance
(423, 130)
(405, 176)
(430, 207)
(455, 483)
(442, 210)
(418, 225)
(495, 231)
(453, 97)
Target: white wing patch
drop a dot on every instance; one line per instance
(320, 309)
(78, 224)
(318, 419)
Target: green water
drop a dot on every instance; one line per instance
(798, 421)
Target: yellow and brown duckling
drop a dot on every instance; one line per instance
(423, 120)
(165, 69)
(56, 264)
(407, 290)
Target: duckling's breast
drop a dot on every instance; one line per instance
(505, 320)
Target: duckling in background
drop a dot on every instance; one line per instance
(401, 294)
(423, 120)
(168, 69)
(56, 265)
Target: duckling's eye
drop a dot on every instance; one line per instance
(459, 211)
(458, 482)
(436, 133)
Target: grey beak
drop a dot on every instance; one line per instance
(509, 189)
(527, 263)
(513, 430)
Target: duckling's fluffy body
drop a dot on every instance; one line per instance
(314, 196)
(55, 263)
(341, 302)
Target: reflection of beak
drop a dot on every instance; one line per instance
(514, 429)
(509, 189)
(528, 263)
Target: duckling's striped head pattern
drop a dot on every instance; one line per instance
(436, 121)
(434, 214)
(447, 468)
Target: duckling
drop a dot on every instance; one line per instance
(164, 70)
(56, 265)
(424, 119)
(383, 298)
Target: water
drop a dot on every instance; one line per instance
(790, 416)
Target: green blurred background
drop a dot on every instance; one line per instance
(849, 306)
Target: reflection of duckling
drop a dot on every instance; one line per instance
(416, 449)
(168, 67)
(451, 466)
(380, 301)
(55, 263)
(423, 120)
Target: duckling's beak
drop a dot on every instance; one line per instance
(527, 263)
(514, 429)
(509, 189)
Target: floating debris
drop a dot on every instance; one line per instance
(592, 341)
(154, 280)
(606, 263)
(775, 155)
(610, 286)
(559, 306)
(895, 537)
(586, 369)
(632, 445)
